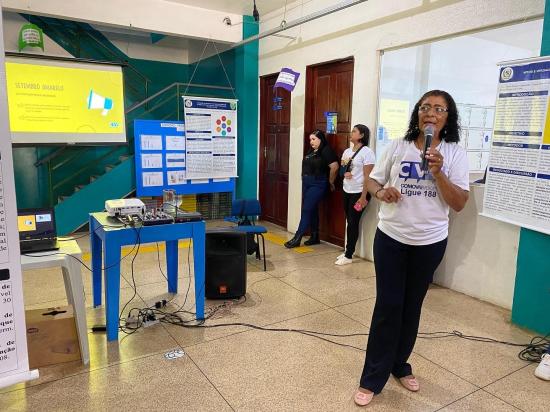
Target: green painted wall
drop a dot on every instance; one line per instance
(247, 87)
(531, 307)
(31, 183)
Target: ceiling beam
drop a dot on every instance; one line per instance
(152, 16)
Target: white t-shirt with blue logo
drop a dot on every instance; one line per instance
(363, 158)
(421, 217)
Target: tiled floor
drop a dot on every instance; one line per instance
(244, 369)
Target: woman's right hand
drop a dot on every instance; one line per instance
(389, 195)
(347, 175)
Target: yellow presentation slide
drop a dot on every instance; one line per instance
(64, 98)
(26, 223)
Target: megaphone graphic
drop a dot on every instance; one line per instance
(96, 101)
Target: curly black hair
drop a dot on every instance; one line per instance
(451, 131)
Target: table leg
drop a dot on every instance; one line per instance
(95, 244)
(198, 261)
(172, 265)
(72, 276)
(67, 280)
(112, 288)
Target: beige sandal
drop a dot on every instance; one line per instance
(410, 383)
(362, 398)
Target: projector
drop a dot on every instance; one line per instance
(124, 207)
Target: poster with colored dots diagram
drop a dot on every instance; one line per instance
(211, 137)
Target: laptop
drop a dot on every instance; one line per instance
(37, 231)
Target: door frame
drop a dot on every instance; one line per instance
(264, 106)
(309, 112)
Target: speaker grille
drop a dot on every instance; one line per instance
(225, 264)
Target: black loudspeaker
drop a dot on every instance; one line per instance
(225, 264)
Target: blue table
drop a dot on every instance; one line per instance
(113, 238)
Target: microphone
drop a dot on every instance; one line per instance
(428, 136)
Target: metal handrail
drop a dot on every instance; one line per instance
(50, 156)
(175, 84)
(68, 159)
(161, 103)
(86, 167)
(95, 161)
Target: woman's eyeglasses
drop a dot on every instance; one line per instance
(425, 108)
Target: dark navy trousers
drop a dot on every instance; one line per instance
(403, 274)
(313, 190)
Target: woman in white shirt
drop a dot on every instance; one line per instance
(357, 162)
(412, 235)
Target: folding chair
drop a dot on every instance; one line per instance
(243, 210)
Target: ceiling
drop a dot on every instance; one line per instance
(237, 6)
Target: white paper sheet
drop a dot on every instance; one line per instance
(152, 179)
(151, 142)
(151, 161)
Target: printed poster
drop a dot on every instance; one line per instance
(518, 177)
(211, 137)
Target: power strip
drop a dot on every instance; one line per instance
(148, 323)
(132, 321)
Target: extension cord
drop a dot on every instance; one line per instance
(148, 323)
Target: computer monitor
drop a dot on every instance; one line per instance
(36, 224)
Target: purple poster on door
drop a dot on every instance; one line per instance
(287, 79)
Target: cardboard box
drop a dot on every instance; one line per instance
(51, 336)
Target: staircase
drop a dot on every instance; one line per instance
(81, 178)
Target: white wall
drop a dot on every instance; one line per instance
(362, 31)
(133, 43)
(138, 45)
(179, 50)
(481, 254)
(12, 24)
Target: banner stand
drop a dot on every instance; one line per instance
(14, 360)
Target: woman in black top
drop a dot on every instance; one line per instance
(319, 169)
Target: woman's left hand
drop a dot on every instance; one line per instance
(435, 161)
(332, 187)
(363, 201)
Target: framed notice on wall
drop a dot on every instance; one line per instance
(211, 137)
(518, 177)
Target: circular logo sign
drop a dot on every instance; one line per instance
(507, 74)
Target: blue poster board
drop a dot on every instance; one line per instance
(160, 161)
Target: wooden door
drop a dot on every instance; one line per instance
(274, 144)
(329, 88)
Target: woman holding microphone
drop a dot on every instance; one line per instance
(412, 234)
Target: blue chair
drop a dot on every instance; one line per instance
(244, 211)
